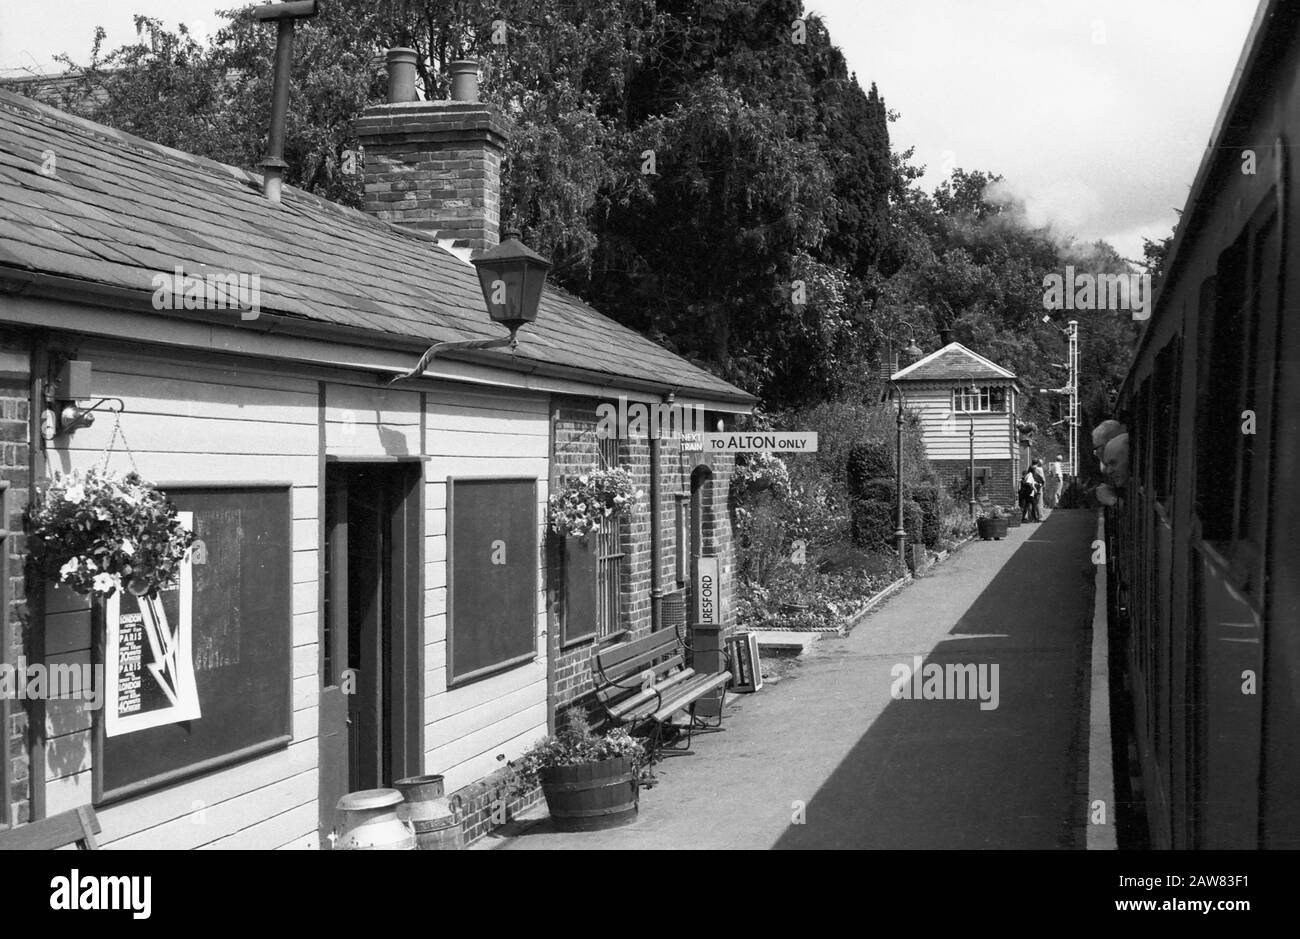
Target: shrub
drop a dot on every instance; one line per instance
(957, 525)
(872, 523)
(805, 599)
(875, 521)
(930, 498)
(880, 489)
(913, 522)
(867, 461)
(761, 472)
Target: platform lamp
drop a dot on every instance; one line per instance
(913, 352)
(512, 277)
(970, 416)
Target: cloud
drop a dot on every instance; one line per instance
(1099, 139)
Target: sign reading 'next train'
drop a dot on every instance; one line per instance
(765, 442)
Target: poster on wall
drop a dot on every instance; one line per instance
(149, 657)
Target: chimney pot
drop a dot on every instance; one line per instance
(464, 80)
(401, 75)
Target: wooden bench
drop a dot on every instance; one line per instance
(78, 826)
(648, 681)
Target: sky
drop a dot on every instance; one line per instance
(1096, 112)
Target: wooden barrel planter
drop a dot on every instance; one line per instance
(992, 529)
(430, 814)
(591, 796)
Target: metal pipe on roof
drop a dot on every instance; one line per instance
(273, 164)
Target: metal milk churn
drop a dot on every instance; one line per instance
(368, 821)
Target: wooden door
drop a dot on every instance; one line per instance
(333, 733)
(368, 573)
(371, 690)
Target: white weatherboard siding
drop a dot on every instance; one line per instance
(947, 433)
(466, 432)
(480, 433)
(190, 420)
(193, 421)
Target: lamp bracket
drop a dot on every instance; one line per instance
(439, 348)
(84, 416)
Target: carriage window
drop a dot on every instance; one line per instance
(1260, 313)
(1217, 429)
(1164, 426)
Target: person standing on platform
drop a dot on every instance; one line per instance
(1040, 483)
(1055, 479)
(1026, 495)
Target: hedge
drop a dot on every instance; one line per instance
(874, 522)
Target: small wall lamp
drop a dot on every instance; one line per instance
(62, 414)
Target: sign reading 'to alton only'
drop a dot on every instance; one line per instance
(707, 597)
(757, 442)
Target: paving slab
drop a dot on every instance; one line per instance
(831, 758)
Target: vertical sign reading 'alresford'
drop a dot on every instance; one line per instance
(706, 591)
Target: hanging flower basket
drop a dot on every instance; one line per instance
(578, 508)
(100, 532)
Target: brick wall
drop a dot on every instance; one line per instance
(489, 804)
(435, 166)
(14, 468)
(575, 451)
(1000, 487)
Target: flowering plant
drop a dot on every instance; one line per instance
(98, 532)
(574, 744)
(589, 497)
(761, 471)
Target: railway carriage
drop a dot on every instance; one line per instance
(1204, 548)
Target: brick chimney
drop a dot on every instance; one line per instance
(435, 165)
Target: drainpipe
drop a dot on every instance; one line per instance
(36, 465)
(656, 539)
(284, 14)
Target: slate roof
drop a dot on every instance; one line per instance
(120, 209)
(953, 362)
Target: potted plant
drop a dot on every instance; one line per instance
(578, 508)
(992, 522)
(1013, 517)
(590, 780)
(100, 532)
